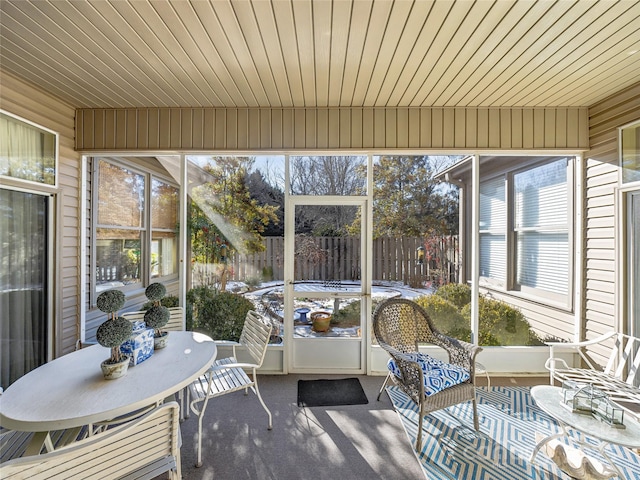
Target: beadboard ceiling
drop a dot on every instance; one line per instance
(323, 53)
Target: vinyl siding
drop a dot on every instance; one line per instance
(200, 129)
(601, 260)
(21, 99)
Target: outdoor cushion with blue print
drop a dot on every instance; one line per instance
(437, 374)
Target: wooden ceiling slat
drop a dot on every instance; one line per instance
(266, 23)
(340, 21)
(118, 40)
(357, 36)
(400, 66)
(157, 33)
(446, 33)
(501, 44)
(190, 28)
(467, 33)
(483, 37)
(308, 53)
(523, 33)
(550, 33)
(540, 55)
(581, 53)
(235, 54)
(132, 53)
(396, 25)
(370, 50)
(54, 57)
(322, 27)
(422, 57)
(303, 27)
(257, 53)
(283, 14)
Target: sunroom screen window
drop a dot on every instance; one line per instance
(541, 224)
(493, 230)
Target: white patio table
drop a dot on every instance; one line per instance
(70, 391)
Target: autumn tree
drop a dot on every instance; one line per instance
(223, 217)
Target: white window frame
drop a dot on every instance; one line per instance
(147, 229)
(510, 286)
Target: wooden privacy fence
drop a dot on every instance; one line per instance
(338, 258)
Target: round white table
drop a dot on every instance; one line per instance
(70, 391)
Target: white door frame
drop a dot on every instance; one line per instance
(326, 355)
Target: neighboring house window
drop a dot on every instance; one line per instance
(525, 221)
(541, 226)
(630, 153)
(135, 227)
(493, 224)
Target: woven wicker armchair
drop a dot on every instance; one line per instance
(399, 326)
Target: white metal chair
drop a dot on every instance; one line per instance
(618, 379)
(228, 375)
(141, 449)
(175, 324)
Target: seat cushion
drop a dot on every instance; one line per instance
(438, 375)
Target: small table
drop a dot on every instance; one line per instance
(549, 399)
(70, 391)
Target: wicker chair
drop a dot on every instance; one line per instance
(399, 326)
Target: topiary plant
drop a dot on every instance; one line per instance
(113, 333)
(157, 316)
(115, 330)
(155, 292)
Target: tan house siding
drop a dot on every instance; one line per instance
(199, 129)
(20, 99)
(601, 179)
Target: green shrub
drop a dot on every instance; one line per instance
(444, 314)
(501, 324)
(219, 314)
(457, 293)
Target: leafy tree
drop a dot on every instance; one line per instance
(408, 201)
(264, 193)
(223, 216)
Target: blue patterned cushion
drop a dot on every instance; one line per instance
(438, 375)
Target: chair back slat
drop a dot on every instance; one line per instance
(255, 336)
(175, 323)
(149, 443)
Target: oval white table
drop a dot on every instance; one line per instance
(70, 391)
(549, 399)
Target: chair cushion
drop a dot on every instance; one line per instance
(438, 375)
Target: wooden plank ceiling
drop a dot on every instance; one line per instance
(323, 53)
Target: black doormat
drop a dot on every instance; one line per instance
(327, 393)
